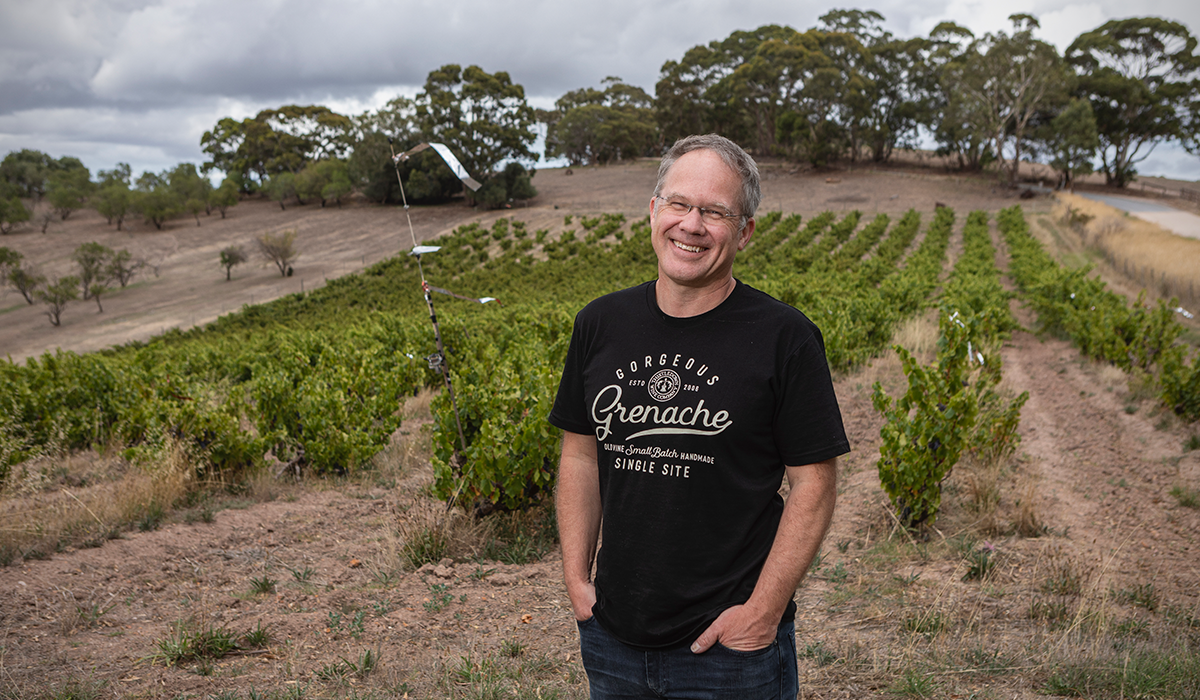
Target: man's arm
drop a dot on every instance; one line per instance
(806, 517)
(578, 506)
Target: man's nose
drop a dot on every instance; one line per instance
(693, 221)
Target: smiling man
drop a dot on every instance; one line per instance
(685, 402)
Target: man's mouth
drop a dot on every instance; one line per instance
(688, 248)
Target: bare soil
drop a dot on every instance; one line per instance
(1090, 487)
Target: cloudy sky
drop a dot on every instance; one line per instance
(139, 81)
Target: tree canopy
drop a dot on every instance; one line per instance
(1140, 76)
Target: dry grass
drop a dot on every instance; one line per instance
(1141, 250)
(919, 335)
(55, 502)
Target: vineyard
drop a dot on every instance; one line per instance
(316, 382)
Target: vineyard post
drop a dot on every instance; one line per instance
(440, 358)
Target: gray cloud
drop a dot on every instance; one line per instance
(93, 77)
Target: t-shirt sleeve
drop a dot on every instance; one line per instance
(808, 425)
(569, 412)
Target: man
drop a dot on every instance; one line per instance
(684, 402)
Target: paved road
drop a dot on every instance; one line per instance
(1129, 204)
(1179, 222)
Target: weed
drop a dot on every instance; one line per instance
(1145, 674)
(381, 608)
(511, 649)
(335, 671)
(980, 562)
(74, 690)
(912, 684)
(817, 652)
(187, 642)
(843, 546)
(1192, 443)
(87, 616)
(262, 585)
(1143, 595)
(257, 638)
(426, 545)
(356, 624)
(1177, 615)
(344, 668)
(1188, 498)
(152, 517)
(303, 575)
(817, 561)
(521, 537)
(440, 597)
(927, 625)
(984, 661)
(481, 573)
(1131, 628)
(838, 575)
(1052, 611)
(1064, 578)
(334, 622)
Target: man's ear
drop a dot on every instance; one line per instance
(744, 235)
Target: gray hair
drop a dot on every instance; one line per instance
(731, 154)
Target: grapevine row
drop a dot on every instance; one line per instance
(1099, 321)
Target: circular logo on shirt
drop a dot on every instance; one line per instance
(664, 385)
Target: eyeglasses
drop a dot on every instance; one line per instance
(709, 215)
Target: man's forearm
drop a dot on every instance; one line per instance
(577, 504)
(806, 517)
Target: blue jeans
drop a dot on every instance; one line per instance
(616, 671)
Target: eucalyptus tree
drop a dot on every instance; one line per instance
(276, 140)
(1001, 83)
(482, 117)
(68, 189)
(591, 126)
(1140, 75)
(113, 198)
(1070, 140)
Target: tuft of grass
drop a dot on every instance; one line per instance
(188, 642)
(913, 684)
(303, 575)
(427, 544)
(1188, 498)
(980, 562)
(1192, 443)
(85, 616)
(818, 653)
(72, 690)
(152, 518)
(521, 537)
(1142, 595)
(1027, 522)
(343, 669)
(257, 638)
(262, 584)
(511, 649)
(928, 625)
(1148, 673)
(1052, 611)
(1064, 577)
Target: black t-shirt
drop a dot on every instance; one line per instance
(695, 420)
